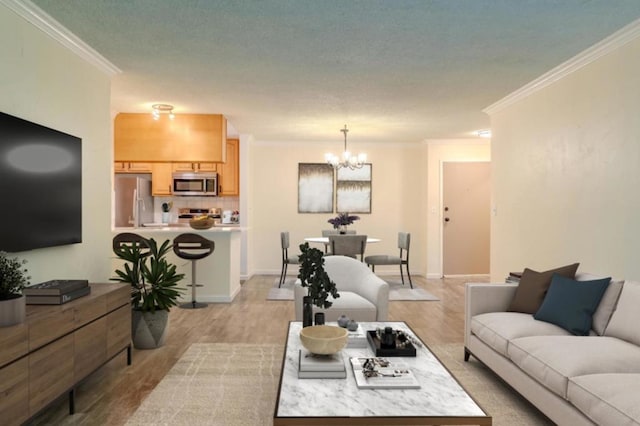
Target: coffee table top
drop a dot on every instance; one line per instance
(314, 401)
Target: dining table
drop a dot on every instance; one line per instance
(325, 240)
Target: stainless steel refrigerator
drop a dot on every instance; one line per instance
(134, 203)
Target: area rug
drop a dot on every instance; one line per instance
(396, 291)
(284, 292)
(216, 384)
(236, 384)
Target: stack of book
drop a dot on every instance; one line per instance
(56, 292)
(357, 339)
(514, 277)
(312, 366)
(382, 373)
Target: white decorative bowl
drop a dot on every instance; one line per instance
(324, 339)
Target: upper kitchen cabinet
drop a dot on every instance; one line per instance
(229, 172)
(190, 138)
(127, 167)
(196, 167)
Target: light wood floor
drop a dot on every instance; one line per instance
(112, 394)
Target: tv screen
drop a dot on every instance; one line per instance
(40, 186)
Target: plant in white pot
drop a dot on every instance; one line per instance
(13, 278)
(313, 276)
(154, 289)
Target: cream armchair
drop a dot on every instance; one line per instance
(363, 295)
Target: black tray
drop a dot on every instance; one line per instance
(376, 347)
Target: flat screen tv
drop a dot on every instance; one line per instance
(40, 186)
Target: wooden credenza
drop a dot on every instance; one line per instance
(60, 345)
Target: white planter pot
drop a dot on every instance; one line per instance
(148, 330)
(12, 311)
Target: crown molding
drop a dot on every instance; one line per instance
(43, 21)
(618, 39)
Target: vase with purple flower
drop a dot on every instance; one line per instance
(343, 220)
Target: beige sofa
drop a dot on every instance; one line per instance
(363, 295)
(573, 380)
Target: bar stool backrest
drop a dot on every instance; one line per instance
(192, 246)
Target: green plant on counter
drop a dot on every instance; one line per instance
(166, 207)
(313, 276)
(13, 276)
(154, 281)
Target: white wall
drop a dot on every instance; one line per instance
(43, 82)
(566, 172)
(440, 151)
(398, 199)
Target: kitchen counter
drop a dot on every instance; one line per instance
(219, 273)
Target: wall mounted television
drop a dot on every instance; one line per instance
(40, 186)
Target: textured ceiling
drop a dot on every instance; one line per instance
(299, 70)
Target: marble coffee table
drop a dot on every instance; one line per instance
(440, 399)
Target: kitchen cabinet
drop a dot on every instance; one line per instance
(161, 180)
(192, 138)
(195, 167)
(131, 167)
(229, 172)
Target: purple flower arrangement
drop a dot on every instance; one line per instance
(343, 219)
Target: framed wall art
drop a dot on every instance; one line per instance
(353, 190)
(315, 188)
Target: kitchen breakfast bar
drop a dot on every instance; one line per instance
(219, 273)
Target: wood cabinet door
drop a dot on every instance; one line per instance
(161, 180)
(90, 348)
(118, 330)
(229, 173)
(183, 167)
(120, 167)
(14, 389)
(139, 167)
(50, 373)
(207, 167)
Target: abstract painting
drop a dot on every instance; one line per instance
(315, 188)
(353, 190)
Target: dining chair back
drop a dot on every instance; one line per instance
(348, 245)
(327, 232)
(286, 259)
(404, 242)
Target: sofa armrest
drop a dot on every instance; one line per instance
(481, 298)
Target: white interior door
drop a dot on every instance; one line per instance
(466, 217)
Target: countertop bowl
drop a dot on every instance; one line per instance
(201, 223)
(324, 339)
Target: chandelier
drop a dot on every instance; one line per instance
(347, 160)
(162, 108)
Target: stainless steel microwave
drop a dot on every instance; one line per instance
(195, 184)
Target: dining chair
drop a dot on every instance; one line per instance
(327, 232)
(348, 245)
(404, 241)
(286, 259)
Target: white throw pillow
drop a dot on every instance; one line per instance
(624, 321)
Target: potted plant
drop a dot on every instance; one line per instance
(13, 278)
(154, 289)
(313, 276)
(342, 221)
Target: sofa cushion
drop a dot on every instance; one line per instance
(350, 304)
(607, 305)
(570, 304)
(607, 399)
(552, 360)
(496, 329)
(533, 287)
(624, 321)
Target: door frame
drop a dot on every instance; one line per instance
(441, 215)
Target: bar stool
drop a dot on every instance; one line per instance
(192, 247)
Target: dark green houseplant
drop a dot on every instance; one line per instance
(313, 276)
(154, 288)
(13, 278)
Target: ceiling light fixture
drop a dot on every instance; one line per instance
(348, 160)
(484, 133)
(162, 108)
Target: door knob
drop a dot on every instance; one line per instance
(446, 219)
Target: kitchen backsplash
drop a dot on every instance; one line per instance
(223, 203)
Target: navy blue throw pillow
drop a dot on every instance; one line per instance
(570, 304)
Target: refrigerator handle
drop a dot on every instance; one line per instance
(135, 208)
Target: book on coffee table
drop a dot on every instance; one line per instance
(55, 287)
(312, 366)
(380, 373)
